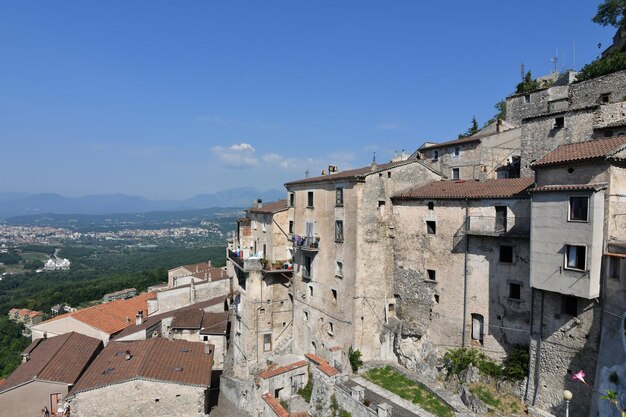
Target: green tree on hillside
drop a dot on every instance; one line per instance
(611, 13)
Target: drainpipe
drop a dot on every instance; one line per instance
(532, 310)
(538, 359)
(465, 272)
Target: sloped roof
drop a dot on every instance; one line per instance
(270, 208)
(60, 359)
(110, 317)
(503, 188)
(581, 151)
(214, 323)
(454, 142)
(177, 361)
(190, 318)
(356, 174)
(274, 369)
(322, 365)
(569, 187)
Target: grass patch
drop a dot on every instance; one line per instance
(486, 396)
(394, 381)
(505, 404)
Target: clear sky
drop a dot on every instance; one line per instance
(168, 99)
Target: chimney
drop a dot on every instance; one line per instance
(25, 357)
(323, 172)
(403, 156)
(259, 203)
(332, 169)
(374, 165)
(209, 263)
(139, 318)
(128, 355)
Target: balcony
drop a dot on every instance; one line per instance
(236, 258)
(306, 244)
(499, 226)
(284, 268)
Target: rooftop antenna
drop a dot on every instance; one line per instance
(554, 60)
(306, 173)
(574, 53)
(374, 157)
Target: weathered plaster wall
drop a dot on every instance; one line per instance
(178, 297)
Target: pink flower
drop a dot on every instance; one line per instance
(579, 376)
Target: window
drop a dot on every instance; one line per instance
(339, 197)
(267, 342)
(506, 254)
(334, 294)
(306, 270)
(527, 98)
(331, 328)
(559, 122)
(431, 227)
(431, 205)
(381, 207)
(339, 231)
(432, 275)
(575, 257)
(311, 292)
(457, 150)
(579, 209)
(608, 133)
(515, 291)
(435, 155)
(478, 327)
(455, 174)
(291, 226)
(292, 199)
(389, 174)
(569, 305)
(306, 316)
(309, 201)
(339, 269)
(605, 98)
(614, 267)
(436, 298)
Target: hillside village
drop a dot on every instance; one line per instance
(502, 248)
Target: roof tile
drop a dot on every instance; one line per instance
(270, 208)
(274, 370)
(504, 188)
(593, 149)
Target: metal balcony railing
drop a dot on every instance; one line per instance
(236, 258)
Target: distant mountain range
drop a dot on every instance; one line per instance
(20, 204)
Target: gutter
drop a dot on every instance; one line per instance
(465, 273)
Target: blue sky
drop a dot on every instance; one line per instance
(169, 99)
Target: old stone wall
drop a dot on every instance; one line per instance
(561, 345)
(240, 392)
(521, 106)
(591, 92)
(178, 297)
(149, 398)
(355, 407)
(323, 390)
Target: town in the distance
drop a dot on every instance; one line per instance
(480, 276)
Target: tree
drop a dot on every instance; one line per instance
(611, 12)
(473, 129)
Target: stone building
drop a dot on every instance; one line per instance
(49, 368)
(461, 258)
(202, 271)
(493, 152)
(343, 232)
(166, 378)
(578, 229)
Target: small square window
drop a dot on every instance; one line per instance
(457, 151)
(431, 227)
(455, 174)
(515, 291)
(431, 205)
(339, 197)
(559, 122)
(435, 155)
(569, 305)
(575, 257)
(291, 226)
(506, 254)
(436, 297)
(334, 292)
(579, 209)
(527, 98)
(309, 201)
(605, 98)
(267, 342)
(389, 174)
(339, 231)
(432, 275)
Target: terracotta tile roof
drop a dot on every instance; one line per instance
(153, 320)
(322, 365)
(505, 188)
(569, 187)
(454, 142)
(580, 151)
(110, 317)
(190, 318)
(176, 361)
(214, 323)
(274, 370)
(34, 314)
(270, 208)
(199, 267)
(356, 174)
(60, 359)
(276, 407)
(213, 274)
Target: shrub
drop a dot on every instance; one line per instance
(355, 359)
(515, 366)
(307, 390)
(603, 66)
(516, 363)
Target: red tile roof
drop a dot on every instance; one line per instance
(454, 142)
(110, 317)
(505, 188)
(275, 405)
(569, 187)
(190, 318)
(177, 361)
(581, 151)
(356, 174)
(60, 359)
(214, 323)
(274, 370)
(322, 365)
(270, 208)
